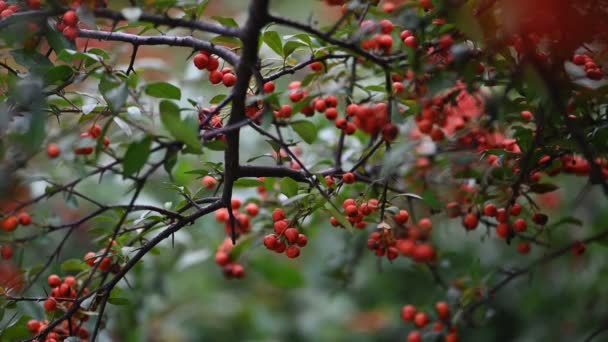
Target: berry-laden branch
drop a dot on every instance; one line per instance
(470, 309)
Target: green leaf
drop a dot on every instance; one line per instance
(226, 40)
(16, 330)
(217, 99)
(277, 273)
(305, 129)
(136, 156)
(273, 40)
(428, 196)
(57, 40)
(33, 61)
(226, 21)
(185, 131)
(543, 188)
(291, 46)
(74, 265)
(289, 186)
(59, 73)
(216, 145)
(170, 160)
(163, 90)
(118, 301)
(114, 93)
(247, 183)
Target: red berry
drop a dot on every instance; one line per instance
(50, 304)
(331, 114)
(316, 66)
(540, 219)
(70, 18)
(489, 210)
(348, 178)
(270, 241)
(520, 225)
(280, 226)
(209, 182)
(408, 312)
(291, 234)
(278, 214)
(201, 61)
(53, 150)
(222, 258)
(503, 230)
(443, 310)
(302, 240)
(292, 251)
(425, 224)
(421, 319)
(70, 32)
(24, 219)
(515, 209)
(229, 79)
(402, 217)
(252, 209)
(89, 258)
(523, 247)
(414, 336)
(33, 326)
(269, 87)
(235, 203)
(9, 223)
(526, 115)
(411, 41)
(6, 251)
(424, 253)
(215, 77)
(390, 132)
(470, 221)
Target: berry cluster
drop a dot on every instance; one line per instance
(69, 25)
(285, 238)
(87, 144)
(109, 263)
(592, 69)
(63, 292)
(223, 258)
(421, 320)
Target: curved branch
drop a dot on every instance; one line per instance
(187, 41)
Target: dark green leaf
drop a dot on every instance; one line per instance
(33, 61)
(185, 131)
(163, 90)
(543, 188)
(289, 186)
(59, 73)
(247, 183)
(273, 40)
(278, 273)
(136, 156)
(305, 129)
(226, 21)
(74, 265)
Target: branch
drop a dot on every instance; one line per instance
(186, 41)
(172, 22)
(469, 310)
(258, 18)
